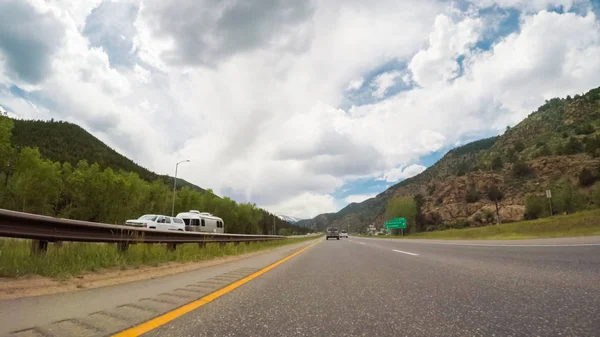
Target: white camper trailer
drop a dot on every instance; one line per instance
(196, 221)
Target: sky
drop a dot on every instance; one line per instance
(298, 106)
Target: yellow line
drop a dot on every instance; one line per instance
(169, 316)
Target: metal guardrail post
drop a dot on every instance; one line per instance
(122, 246)
(39, 247)
(171, 246)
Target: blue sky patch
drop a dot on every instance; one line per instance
(34, 97)
(364, 94)
(508, 24)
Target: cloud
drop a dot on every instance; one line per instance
(209, 31)
(355, 84)
(111, 27)
(398, 173)
(528, 5)
(359, 197)
(448, 41)
(305, 205)
(267, 120)
(383, 82)
(28, 39)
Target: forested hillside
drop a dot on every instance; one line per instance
(31, 180)
(557, 148)
(69, 143)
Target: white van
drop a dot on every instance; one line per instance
(196, 221)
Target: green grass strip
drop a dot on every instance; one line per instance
(74, 258)
(585, 223)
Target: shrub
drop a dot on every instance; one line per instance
(585, 129)
(573, 146)
(472, 195)
(497, 163)
(462, 169)
(511, 155)
(519, 146)
(597, 195)
(559, 150)
(544, 151)
(591, 145)
(536, 207)
(459, 224)
(488, 216)
(520, 169)
(586, 177)
(566, 198)
(430, 189)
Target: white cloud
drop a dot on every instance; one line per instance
(447, 42)
(398, 173)
(359, 197)
(355, 84)
(263, 122)
(383, 82)
(305, 205)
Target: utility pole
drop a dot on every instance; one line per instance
(175, 186)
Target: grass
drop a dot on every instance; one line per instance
(73, 258)
(585, 223)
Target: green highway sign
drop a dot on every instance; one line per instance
(396, 223)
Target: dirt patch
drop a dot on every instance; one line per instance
(38, 285)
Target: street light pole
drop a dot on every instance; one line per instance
(175, 185)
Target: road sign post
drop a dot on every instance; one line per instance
(549, 196)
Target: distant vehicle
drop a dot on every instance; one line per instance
(332, 232)
(344, 234)
(155, 221)
(196, 221)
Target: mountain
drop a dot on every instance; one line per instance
(67, 142)
(558, 143)
(289, 219)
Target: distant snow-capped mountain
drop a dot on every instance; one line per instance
(289, 219)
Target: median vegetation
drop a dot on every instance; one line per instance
(578, 224)
(73, 259)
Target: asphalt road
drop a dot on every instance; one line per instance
(374, 287)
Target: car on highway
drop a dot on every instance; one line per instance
(344, 234)
(332, 232)
(155, 221)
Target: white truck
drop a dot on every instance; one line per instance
(155, 221)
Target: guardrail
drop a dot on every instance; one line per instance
(44, 229)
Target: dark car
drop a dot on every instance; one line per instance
(332, 232)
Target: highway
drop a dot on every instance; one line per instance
(374, 287)
(377, 287)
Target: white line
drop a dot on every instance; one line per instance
(500, 245)
(399, 251)
(362, 243)
(494, 244)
